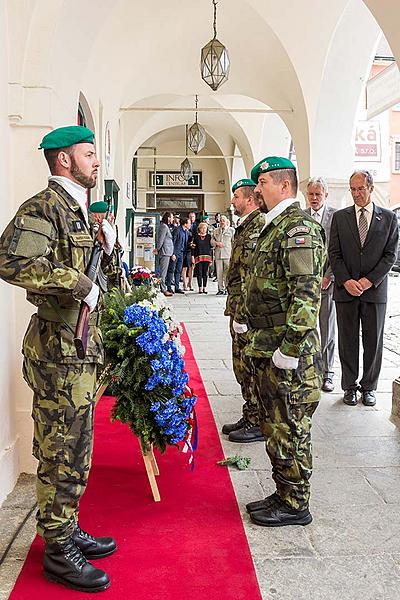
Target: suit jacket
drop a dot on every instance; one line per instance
(374, 260)
(165, 244)
(180, 237)
(326, 222)
(225, 236)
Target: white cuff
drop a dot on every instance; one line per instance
(282, 361)
(92, 297)
(239, 327)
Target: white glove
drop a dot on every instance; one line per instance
(239, 327)
(110, 236)
(282, 361)
(92, 297)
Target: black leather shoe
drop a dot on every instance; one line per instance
(368, 398)
(327, 385)
(262, 504)
(279, 515)
(228, 427)
(350, 397)
(179, 292)
(93, 547)
(245, 435)
(64, 563)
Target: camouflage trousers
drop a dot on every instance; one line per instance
(63, 402)
(288, 399)
(244, 376)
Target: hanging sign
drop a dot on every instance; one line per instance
(174, 179)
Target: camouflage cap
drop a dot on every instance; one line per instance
(271, 163)
(66, 136)
(243, 183)
(98, 207)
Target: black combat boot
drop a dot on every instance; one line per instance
(92, 547)
(262, 504)
(247, 434)
(229, 427)
(280, 514)
(64, 563)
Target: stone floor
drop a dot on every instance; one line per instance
(351, 551)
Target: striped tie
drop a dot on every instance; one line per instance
(362, 226)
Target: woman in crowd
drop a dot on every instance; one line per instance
(188, 262)
(164, 249)
(202, 255)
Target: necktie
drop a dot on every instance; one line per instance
(362, 226)
(316, 216)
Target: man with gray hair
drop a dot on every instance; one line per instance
(317, 194)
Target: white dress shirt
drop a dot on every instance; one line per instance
(75, 190)
(369, 211)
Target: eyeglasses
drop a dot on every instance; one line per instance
(361, 189)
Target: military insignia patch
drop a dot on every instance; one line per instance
(239, 183)
(264, 165)
(299, 241)
(298, 229)
(78, 226)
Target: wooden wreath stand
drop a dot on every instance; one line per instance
(148, 457)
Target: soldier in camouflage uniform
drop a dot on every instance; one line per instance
(247, 429)
(281, 312)
(45, 249)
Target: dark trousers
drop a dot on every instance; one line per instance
(202, 273)
(371, 317)
(174, 272)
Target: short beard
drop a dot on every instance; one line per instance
(84, 180)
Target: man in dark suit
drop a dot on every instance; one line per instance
(317, 194)
(180, 236)
(362, 250)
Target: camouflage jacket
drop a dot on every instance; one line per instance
(45, 250)
(243, 246)
(283, 289)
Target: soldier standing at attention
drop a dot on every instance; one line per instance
(251, 222)
(45, 250)
(282, 304)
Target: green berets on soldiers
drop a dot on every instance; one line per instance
(281, 312)
(251, 222)
(45, 249)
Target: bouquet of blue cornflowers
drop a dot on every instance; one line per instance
(145, 367)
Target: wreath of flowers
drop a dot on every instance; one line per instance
(145, 365)
(139, 275)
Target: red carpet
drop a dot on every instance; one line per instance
(190, 545)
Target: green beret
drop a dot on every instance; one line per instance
(98, 207)
(271, 163)
(243, 183)
(66, 136)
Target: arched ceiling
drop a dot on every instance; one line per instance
(123, 53)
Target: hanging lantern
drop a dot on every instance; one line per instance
(214, 62)
(186, 165)
(196, 136)
(186, 169)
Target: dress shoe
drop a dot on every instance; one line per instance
(327, 385)
(368, 398)
(350, 397)
(179, 291)
(248, 433)
(167, 293)
(279, 515)
(220, 293)
(64, 563)
(93, 547)
(229, 427)
(262, 504)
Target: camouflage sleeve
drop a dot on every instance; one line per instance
(27, 258)
(303, 261)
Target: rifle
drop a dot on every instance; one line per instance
(94, 272)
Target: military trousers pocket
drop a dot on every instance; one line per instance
(48, 436)
(307, 380)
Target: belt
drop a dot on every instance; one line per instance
(69, 316)
(268, 321)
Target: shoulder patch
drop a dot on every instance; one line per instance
(298, 229)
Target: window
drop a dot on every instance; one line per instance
(396, 154)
